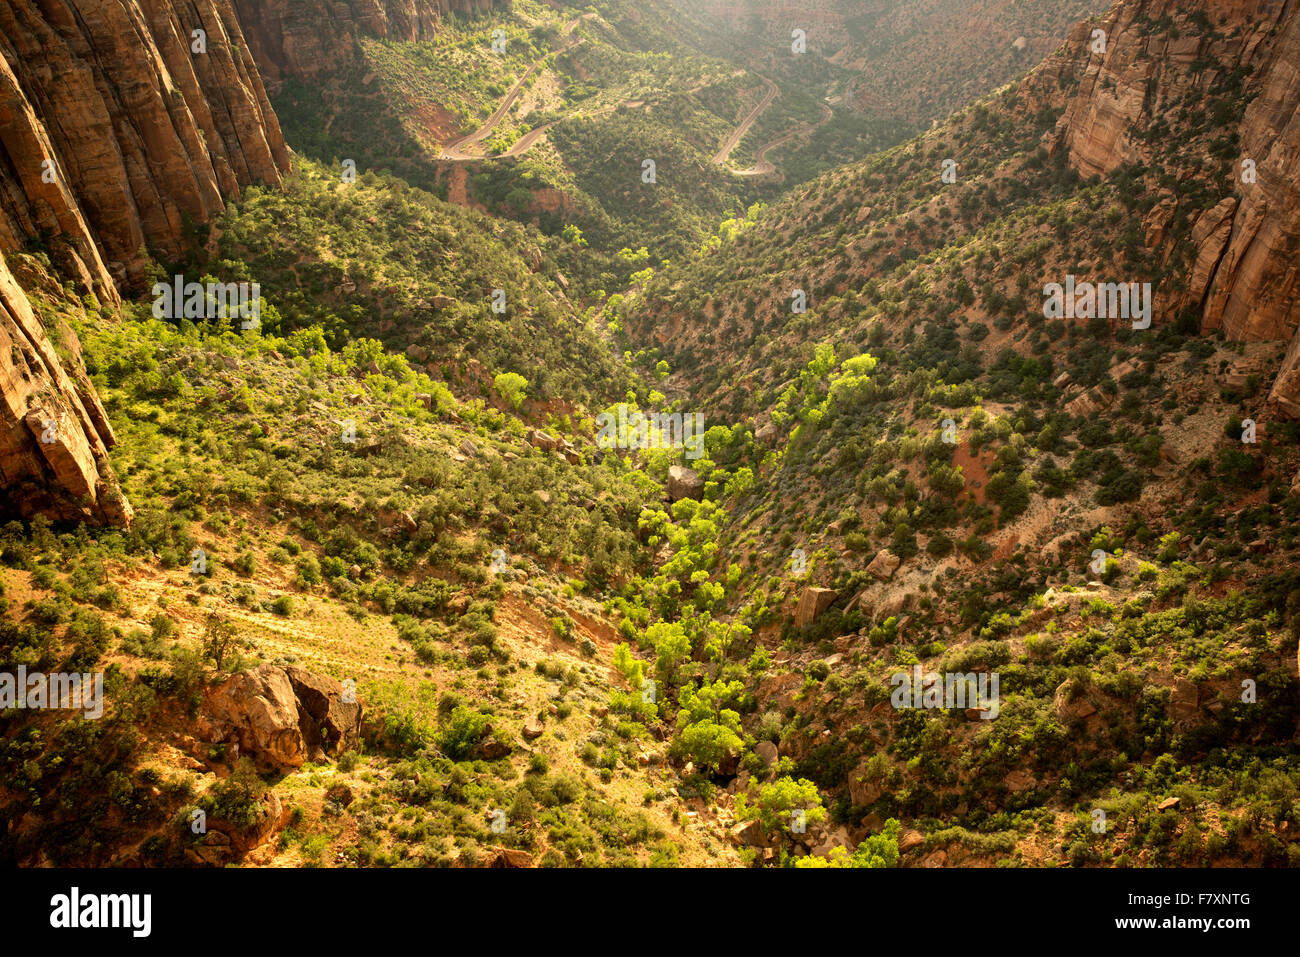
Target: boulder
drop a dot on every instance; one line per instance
(509, 857)
(812, 603)
(256, 710)
(893, 606)
(766, 752)
(339, 794)
(1070, 710)
(884, 565)
(281, 717)
(862, 791)
(747, 834)
(684, 483)
(417, 352)
(329, 715)
(910, 840)
(1183, 703)
(533, 729)
(543, 440)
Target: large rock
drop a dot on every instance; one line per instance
(1242, 277)
(812, 603)
(884, 565)
(1069, 707)
(145, 135)
(543, 440)
(54, 433)
(1184, 702)
(281, 717)
(684, 483)
(330, 722)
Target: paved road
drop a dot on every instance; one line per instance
(459, 151)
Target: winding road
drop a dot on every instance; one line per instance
(459, 151)
(738, 134)
(762, 166)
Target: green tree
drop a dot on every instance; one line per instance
(709, 743)
(777, 802)
(879, 850)
(511, 386)
(218, 637)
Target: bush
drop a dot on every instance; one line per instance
(462, 732)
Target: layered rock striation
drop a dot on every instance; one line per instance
(123, 123)
(1244, 274)
(306, 40)
(54, 433)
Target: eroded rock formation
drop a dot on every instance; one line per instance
(122, 122)
(1244, 272)
(117, 126)
(302, 40)
(281, 717)
(54, 433)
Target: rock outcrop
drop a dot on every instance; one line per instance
(54, 433)
(813, 603)
(303, 41)
(117, 126)
(122, 122)
(1243, 276)
(281, 717)
(684, 483)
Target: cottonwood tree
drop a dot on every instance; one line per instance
(218, 638)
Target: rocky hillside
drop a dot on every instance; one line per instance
(938, 462)
(302, 40)
(1242, 277)
(915, 61)
(54, 433)
(121, 126)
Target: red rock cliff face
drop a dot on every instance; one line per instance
(1245, 268)
(303, 40)
(54, 434)
(114, 132)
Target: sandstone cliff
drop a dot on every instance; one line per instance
(302, 40)
(1243, 275)
(115, 132)
(122, 122)
(54, 434)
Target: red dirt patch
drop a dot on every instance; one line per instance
(975, 469)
